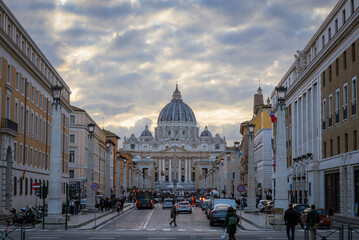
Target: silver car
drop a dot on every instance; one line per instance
(184, 206)
(167, 203)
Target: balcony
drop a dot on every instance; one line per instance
(354, 108)
(9, 127)
(345, 112)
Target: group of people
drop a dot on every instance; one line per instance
(74, 206)
(110, 203)
(292, 218)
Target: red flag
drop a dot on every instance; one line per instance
(272, 116)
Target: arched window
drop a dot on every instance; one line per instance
(15, 186)
(31, 182)
(26, 186)
(20, 192)
(233, 175)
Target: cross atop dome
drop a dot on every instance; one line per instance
(176, 94)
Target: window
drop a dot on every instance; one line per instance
(72, 173)
(9, 74)
(17, 81)
(22, 118)
(325, 149)
(26, 186)
(21, 159)
(32, 94)
(7, 107)
(330, 73)
(338, 145)
(346, 142)
(323, 41)
(9, 30)
(37, 98)
(337, 66)
(353, 52)
(36, 127)
(23, 46)
(132, 146)
(17, 39)
(331, 147)
(352, 6)
(329, 34)
(336, 25)
(354, 96)
(40, 129)
(28, 52)
(16, 112)
(39, 162)
(32, 124)
(15, 178)
(217, 146)
(35, 158)
(355, 143)
(324, 115)
(31, 156)
(72, 119)
(26, 155)
(345, 59)
(72, 156)
(330, 111)
(323, 79)
(343, 16)
(72, 138)
(31, 182)
(337, 106)
(22, 86)
(345, 100)
(27, 121)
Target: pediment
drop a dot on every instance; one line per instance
(172, 150)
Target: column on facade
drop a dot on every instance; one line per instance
(159, 170)
(163, 169)
(170, 171)
(179, 170)
(297, 124)
(186, 170)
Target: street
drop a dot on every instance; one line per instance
(153, 224)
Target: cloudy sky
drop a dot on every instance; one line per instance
(122, 58)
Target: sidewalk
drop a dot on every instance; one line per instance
(258, 220)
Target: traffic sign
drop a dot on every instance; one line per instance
(240, 188)
(36, 186)
(94, 186)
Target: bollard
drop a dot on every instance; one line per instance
(22, 232)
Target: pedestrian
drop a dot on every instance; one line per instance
(102, 202)
(174, 214)
(291, 217)
(231, 222)
(118, 206)
(77, 206)
(72, 207)
(312, 221)
(331, 214)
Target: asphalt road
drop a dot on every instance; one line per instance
(153, 224)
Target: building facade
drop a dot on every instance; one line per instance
(180, 154)
(321, 114)
(26, 78)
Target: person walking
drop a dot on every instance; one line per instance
(331, 214)
(291, 217)
(312, 221)
(174, 214)
(118, 206)
(231, 222)
(77, 206)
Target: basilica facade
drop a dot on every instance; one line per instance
(177, 155)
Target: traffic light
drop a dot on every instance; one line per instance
(39, 192)
(44, 191)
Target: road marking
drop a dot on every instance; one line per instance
(151, 229)
(118, 215)
(42, 237)
(181, 230)
(148, 219)
(166, 229)
(160, 238)
(96, 238)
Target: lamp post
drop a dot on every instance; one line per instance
(281, 186)
(236, 170)
(90, 197)
(118, 176)
(221, 178)
(228, 187)
(107, 170)
(124, 174)
(217, 178)
(251, 194)
(55, 194)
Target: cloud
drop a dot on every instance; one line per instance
(122, 59)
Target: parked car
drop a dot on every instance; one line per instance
(204, 204)
(184, 206)
(218, 214)
(324, 217)
(180, 198)
(300, 207)
(167, 203)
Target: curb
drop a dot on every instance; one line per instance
(253, 223)
(106, 221)
(97, 218)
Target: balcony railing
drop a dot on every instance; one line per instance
(345, 113)
(354, 108)
(337, 117)
(8, 124)
(324, 125)
(330, 121)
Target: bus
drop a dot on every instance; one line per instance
(144, 199)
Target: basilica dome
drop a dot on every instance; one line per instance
(206, 133)
(176, 110)
(146, 132)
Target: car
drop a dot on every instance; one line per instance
(325, 220)
(204, 204)
(300, 207)
(167, 203)
(218, 214)
(216, 201)
(180, 198)
(184, 206)
(269, 206)
(261, 204)
(158, 200)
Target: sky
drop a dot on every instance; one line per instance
(123, 58)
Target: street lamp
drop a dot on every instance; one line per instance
(251, 194)
(124, 174)
(236, 168)
(107, 169)
(55, 194)
(90, 197)
(281, 191)
(228, 189)
(118, 176)
(130, 184)
(221, 178)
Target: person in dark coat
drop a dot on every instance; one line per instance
(331, 214)
(231, 222)
(313, 218)
(174, 214)
(291, 217)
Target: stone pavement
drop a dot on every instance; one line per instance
(255, 221)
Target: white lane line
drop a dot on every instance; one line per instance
(181, 230)
(38, 237)
(113, 219)
(151, 229)
(160, 238)
(166, 229)
(148, 219)
(96, 238)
